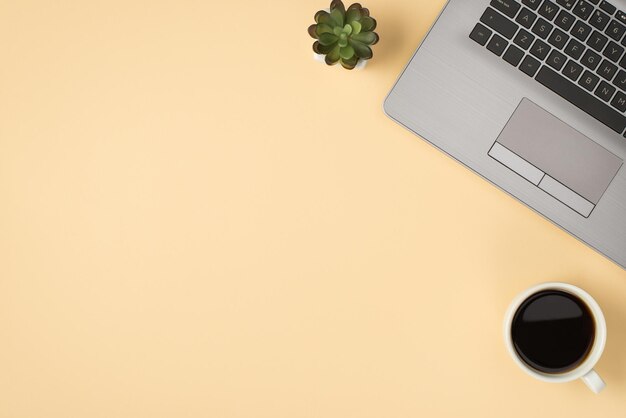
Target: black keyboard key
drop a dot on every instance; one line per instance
(607, 70)
(581, 31)
(497, 45)
(565, 20)
(526, 18)
(591, 60)
(613, 51)
(481, 34)
(540, 49)
(605, 91)
(556, 60)
(568, 4)
(575, 49)
(548, 10)
(573, 70)
(620, 80)
(620, 101)
(507, 7)
(513, 55)
(594, 2)
(542, 28)
(589, 81)
(530, 66)
(615, 30)
(597, 41)
(621, 16)
(581, 99)
(558, 38)
(533, 4)
(622, 63)
(608, 7)
(524, 39)
(583, 9)
(599, 20)
(499, 23)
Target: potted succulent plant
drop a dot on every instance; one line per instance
(344, 35)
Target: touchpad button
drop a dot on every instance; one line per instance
(559, 151)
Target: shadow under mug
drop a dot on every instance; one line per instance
(584, 370)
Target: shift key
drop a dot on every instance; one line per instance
(499, 23)
(508, 7)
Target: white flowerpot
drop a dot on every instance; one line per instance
(360, 65)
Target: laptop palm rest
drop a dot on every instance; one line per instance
(556, 158)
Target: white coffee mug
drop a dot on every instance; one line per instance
(583, 371)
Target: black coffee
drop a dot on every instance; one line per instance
(553, 331)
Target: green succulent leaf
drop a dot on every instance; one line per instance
(342, 42)
(367, 38)
(328, 39)
(356, 27)
(365, 12)
(354, 13)
(313, 31)
(338, 5)
(350, 63)
(368, 24)
(322, 17)
(323, 28)
(322, 49)
(333, 56)
(346, 52)
(337, 17)
(347, 30)
(361, 50)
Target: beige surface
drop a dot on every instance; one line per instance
(197, 220)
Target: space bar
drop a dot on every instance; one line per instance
(580, 98)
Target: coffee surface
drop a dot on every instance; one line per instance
(553, 331)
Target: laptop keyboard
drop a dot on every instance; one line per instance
(576, 48)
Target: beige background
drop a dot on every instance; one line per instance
(197, 220)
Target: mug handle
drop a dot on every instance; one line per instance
(594, 381)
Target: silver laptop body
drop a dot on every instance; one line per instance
(512, 117)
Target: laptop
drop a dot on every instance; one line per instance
(531, 95)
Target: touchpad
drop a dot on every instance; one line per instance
(556, 157)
